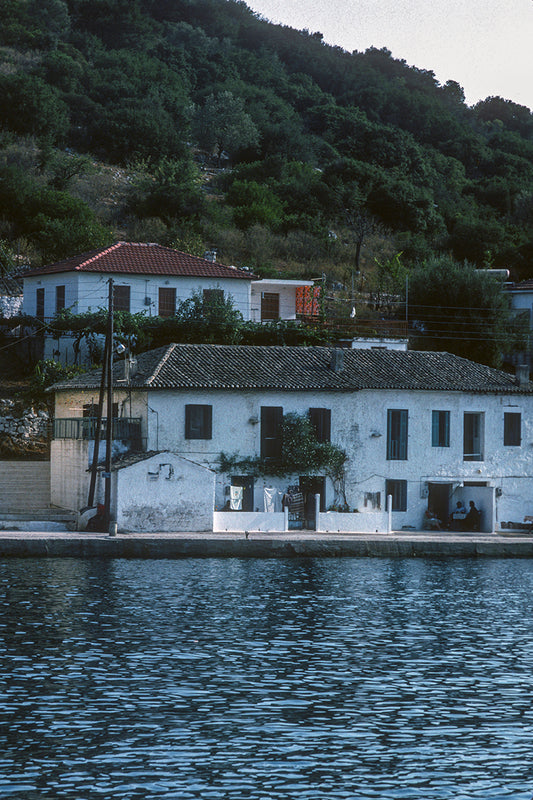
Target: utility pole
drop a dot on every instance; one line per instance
(109, 425)
(98, 429)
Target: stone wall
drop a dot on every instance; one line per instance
(23, 433)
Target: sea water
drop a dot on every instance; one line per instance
(323, 679)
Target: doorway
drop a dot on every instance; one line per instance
(310, 486)
(247, 484)
(439, 498)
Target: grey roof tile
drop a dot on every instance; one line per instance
(248, 368)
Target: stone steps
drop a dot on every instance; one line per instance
(24, 485)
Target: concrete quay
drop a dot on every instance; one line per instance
(294, 544)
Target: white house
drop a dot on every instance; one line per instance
(274, 298)
(147, 278)
(427, 429)
(521, 295)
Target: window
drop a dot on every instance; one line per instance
(398, 490)
(167, 302)
(512, 429)
(269, 305)
(440, 428)
(397, 434)
(198, 422)
(320, 419)
(91, 410)
(372, 500)
(473, 436)
(121, 298)
(60, 298)
(213, 297)
(39, 307)
(271, 422)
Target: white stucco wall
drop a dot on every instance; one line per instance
(165, 493)
(501, 484)
(523, 301)
(359, 425)
(378, 343)
(86, 291)
(287, 296)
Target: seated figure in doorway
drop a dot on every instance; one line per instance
(458, 516)
(473, 518)
(431, 521)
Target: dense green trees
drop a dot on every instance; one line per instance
(317, 138)
(462, 310)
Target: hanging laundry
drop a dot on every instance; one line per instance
(272, 499)
(236, 495)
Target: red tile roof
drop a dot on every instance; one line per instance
(143, 259)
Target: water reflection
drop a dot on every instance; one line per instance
(318, 678)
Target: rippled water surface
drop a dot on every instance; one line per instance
(311, 679)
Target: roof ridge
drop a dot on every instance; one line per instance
(99, 254)
(162, 362)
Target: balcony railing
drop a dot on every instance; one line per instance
(124, 428)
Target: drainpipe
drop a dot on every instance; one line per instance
(389, 513)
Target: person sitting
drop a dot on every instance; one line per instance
(473, 518)
(431, 521)
(458, 516)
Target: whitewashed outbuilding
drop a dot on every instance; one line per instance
(426, 429)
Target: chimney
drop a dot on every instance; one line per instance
(337, 359)
(522, 374)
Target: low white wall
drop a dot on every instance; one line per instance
(249, 521)
(368, 522)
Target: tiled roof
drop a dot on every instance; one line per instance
(143, 259)
(248, 368)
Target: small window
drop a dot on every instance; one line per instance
(397, 434)
(167, 301)
(473, 436)
(440, 428)
(39, 310)
(512, 429)
(198, 421)
(213, 297)
(269, 306)
(121, 298)
(372, 500)
(60, 298)
(271, 432)
(398, 491)
(320, 419)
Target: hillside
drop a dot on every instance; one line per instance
(197, 124)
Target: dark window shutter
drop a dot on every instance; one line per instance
(320, 419)
(121, 298)
(271, 441)
(198, 421)
(512, 429)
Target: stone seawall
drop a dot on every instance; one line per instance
(143, 546)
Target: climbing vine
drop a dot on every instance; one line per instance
(301, 454)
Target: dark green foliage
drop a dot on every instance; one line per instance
(313, 130)
(44, 375)
(170, 189)
(54, 221)
(301, 454)
(459, 309)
